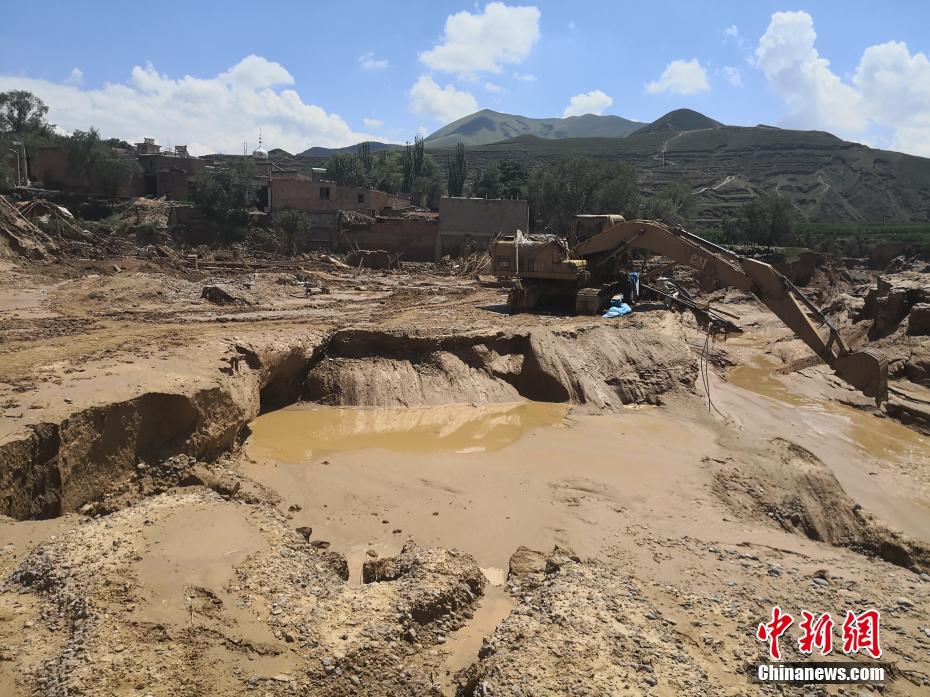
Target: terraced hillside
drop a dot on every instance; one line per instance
(827, 179)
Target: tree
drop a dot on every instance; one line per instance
(345, 169)
(412, 163)
(97, 162)
(768, 220)
(579, 184)
(366, 165)
(503, 179)
(427, 187)
(224, 194)
(291, 223)
(456, 171)
(676, 204)
(23, 112)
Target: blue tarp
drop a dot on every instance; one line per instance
(617, 310)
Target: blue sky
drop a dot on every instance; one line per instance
(212, 74)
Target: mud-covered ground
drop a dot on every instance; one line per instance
(629, 542)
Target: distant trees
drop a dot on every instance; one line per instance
(456, 171)
(768, 220)
(675, 204)
(22, 112)
(224, 194)
(99, 163)
(503, 179)
(345, 169)
(577, 184)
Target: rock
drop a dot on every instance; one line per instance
(223, 484)
(305, 532)
(890, 309)
(526, 563)
(337, 563)
(925, 578)
(281, 677)
(222, 294)
(320, 544)
(821, 581)
(905, 602)
(918, 320)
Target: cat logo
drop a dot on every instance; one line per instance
(697, 261)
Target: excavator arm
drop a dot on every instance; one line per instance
(865, 370)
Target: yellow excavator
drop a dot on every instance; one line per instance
(543, 270)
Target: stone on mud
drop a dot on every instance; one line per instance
(918, 320)
(222, 294)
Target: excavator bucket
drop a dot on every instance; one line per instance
(867, 371)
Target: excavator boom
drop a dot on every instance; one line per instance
(866, 370)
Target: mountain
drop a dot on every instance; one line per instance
(679, 120)
(826, 179)
(351, 149)
(486, 126)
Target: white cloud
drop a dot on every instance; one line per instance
(209, 114)
(733, 75)
(731, 33)
(368, 62)
(571, 26)
(526, 77)
(445, 104)
(593, 102)
(815, 96)
(372, 123)
(482, 43)
(494, 88)
(681, 77)
(75, 77)
(890, 88)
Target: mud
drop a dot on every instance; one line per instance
(471, 504)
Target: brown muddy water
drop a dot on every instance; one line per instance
(881, 463)
(303, 432)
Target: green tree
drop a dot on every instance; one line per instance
(579, 184)
(345, 169)
(387, 172)
(503, 179)
(366, 164)
(456, 170)
(224, 194)
(23, 112)
(676, 204)
(292, 223)
(768, 220)
(427, 186)
(98, 163)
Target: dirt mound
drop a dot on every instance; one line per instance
(799, 492)
(614, 646)
(54, 467)
(604, 366)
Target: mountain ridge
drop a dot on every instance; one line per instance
(488, 126)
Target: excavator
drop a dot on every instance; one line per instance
(543, 270)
